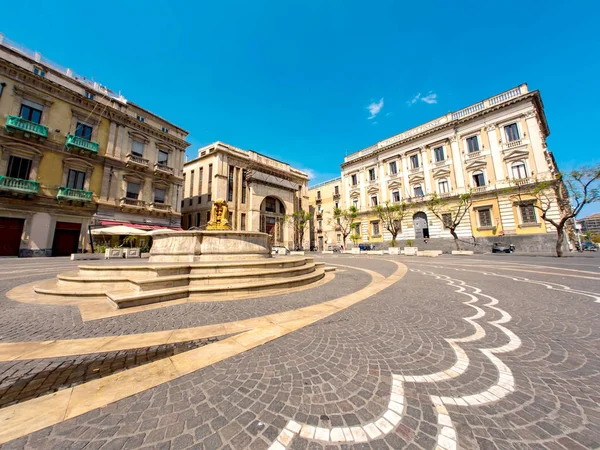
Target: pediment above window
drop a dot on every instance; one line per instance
(443, 172)
(354, 194)
(476, 164)
(85, 116)
(133, 177)
(416, 178)
(23, 150)
(27, 92)
(516, 154)
(373, 190)
(139, 137)
(163, 146)
(77, 162)
(394, 184)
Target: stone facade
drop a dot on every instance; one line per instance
(261, 193)
(75, 154)
(486, 149)
(324, 198)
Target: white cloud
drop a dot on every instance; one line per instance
(430, 99)
(375, 108)
(374, 123)
(389, 114)
(311, 173)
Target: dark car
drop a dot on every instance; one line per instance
(366, 246)
(589, 247)
(498, 247)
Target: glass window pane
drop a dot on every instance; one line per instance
(159, 195)
(133, 190)
(163, 158)
(137, 148)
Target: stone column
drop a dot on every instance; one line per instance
(405, 182)
(496, 152)
(537, 143)
(112, 132)
(426, 169)
(385, 195)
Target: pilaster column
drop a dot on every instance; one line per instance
(458, 164)
(405, 182)
(537, 143)
(496, 152)
(426, 169)
(112, 132)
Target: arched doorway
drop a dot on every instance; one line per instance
(421, 225)
(272, 216)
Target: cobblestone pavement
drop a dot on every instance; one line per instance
(486, 352)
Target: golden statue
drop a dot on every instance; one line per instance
(219, 216)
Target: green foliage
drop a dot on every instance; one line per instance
(355, 238)
(391, 216)
(343, 218)
(450, 211)
(409, 243)
(298, 221)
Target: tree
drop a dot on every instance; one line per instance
(298, 221)
(343, 218)
(569, 192)
(391, 215)
(450, 212)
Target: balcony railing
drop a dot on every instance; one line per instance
(473, 154)
(14, 123)
(163, 169)
(132, 203)
(19, 186)
(415, 169)
(163, 207)
(76, 142)
(477, 190)
(336, 195)
(522, 181)
(80, 195)
(319, 214)
(514, 144)
(318, 199)
(319, 230)
(134, 160)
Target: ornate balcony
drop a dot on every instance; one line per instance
(336, 196)
(318, 199)
(77, 195)
(132, 203)
(14, 123)
(473, 154)
(319, 214)
(514, 144)
(523, 181)
(160, 207)
(162, 169)
(76, 143)
(18, 186)
(319, 230)
(136, 161)
(479, 189)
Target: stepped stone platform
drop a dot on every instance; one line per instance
(128, 286)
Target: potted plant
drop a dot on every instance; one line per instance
(410, 250)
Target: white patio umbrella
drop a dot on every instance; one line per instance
(119, 230)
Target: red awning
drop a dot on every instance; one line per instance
(110, 223)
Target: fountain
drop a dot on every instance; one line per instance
(207, 263)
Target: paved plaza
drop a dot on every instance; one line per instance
(488, 351)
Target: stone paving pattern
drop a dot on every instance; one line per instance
(337, 372)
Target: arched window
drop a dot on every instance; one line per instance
(518, 170)
(478, 179)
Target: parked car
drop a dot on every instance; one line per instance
(366, 246)
(589, 247)
(499, 247)
(334, 248)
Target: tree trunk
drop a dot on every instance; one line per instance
(393, 244)
(560, 238)
(455, 236)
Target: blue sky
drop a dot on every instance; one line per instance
(307, 82)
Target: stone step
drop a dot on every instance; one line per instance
(129, 298)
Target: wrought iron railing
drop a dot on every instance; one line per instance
(19, 185)
(17, 123)
(67, 193)
(81, 143)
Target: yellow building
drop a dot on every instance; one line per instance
(261, 192)
(486, 149)
(67, 153)
(323, 199)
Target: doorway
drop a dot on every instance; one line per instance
(66, 238)
(421, 225)
(11, 231)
